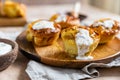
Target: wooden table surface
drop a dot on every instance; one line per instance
(17, 70)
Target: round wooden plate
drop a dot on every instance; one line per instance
(54, 55)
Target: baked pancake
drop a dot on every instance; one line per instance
(65, 20)
(79, 42)
(107, 28)
(12, 9)
(43, 32)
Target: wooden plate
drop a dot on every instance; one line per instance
(54, 55)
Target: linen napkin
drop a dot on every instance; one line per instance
(39, 71)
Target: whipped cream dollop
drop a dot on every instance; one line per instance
(43, 25)
(107, 24)
(83, 42)
(4, 48)
(61, 17)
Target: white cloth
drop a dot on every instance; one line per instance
(39, 71)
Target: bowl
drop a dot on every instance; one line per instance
(8, 58)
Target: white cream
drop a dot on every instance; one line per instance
(4, 48)
(84, 57)
(43, 25)
(107, 24)
(83, 42)
(61, 17)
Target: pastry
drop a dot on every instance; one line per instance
(12, 9)
(79, 42)
(68, 19)
(107, 28)
(43, 32)
(12, 13)
(65, 20)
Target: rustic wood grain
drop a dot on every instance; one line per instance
(13, 21)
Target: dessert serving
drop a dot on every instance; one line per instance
(12, 11)
(62, 40)
(107, 28)
(80, 42)
(73, 47)
(43, 32)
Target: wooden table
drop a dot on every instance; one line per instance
(17, 70)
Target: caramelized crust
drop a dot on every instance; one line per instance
(106, 34)
(12, 9)
(68, 37)
(70, 21)
(43, 37)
